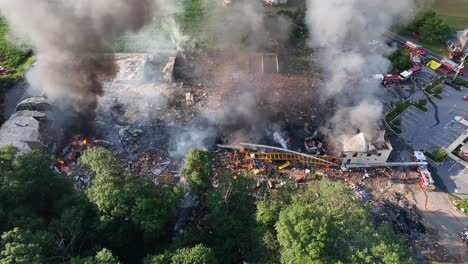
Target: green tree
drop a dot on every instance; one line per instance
(198, 254)
(35, 198)
(267, 215)
(19, 247)
(198, 168)
(31, 193)
(102, 257)
(121, 195)
(440, 154)
(164, 258)
(305, 235)
(325, 224)
(400, 60)
(432, 26)
(231, 218)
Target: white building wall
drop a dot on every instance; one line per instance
(381, 156)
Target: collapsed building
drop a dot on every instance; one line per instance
(157, 66)
(29, 128)
(358, 149)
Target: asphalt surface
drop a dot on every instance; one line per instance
(400, 41)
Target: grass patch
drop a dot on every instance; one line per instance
(453, 11)
(435, 87)
(399, 108)
(421, 105)
(460, 81)
(16, 59)
(436, 47)
(457, 149)
(392, 117)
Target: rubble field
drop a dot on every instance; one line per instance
(140, 120)
(386, 190)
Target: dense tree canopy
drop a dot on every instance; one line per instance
(199, 254)
(326, 225)
(118, 194)
(44, 220)
(198, 168)
(432, 26)
(231, 218)
(25, 184)
(102, 257)
(20, 247)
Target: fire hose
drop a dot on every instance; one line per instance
(440, 209)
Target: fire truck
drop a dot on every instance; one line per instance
(450, 66)
(424, 174)
(397, 78)
(390, 78)
(414, 47)
(415, 70)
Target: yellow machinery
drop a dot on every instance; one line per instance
(285, 165)
(309, 159)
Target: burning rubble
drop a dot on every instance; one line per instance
(150, 109)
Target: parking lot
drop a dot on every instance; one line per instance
(437, 128)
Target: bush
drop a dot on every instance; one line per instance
(397, 122)
(438, 89)
(460, 81)
(400, 60)
(437, 155)
(464, 205)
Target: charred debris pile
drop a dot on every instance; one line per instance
(152, 114)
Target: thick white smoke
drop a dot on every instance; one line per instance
(343, 30)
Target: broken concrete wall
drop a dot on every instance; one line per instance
(28, 128)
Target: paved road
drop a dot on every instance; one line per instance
(439, 213)
(400, 41)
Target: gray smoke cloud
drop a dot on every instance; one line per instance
(70, 39)
(344, 31)
(241, 26)
(163, 33)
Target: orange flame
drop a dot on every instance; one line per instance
(85, 141)
(60, 161)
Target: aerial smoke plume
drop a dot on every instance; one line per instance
(70, 39)
(346, 31)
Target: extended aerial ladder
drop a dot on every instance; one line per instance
(280, 154)
(461, 66)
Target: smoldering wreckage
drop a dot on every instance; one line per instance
(257, 110)
(153, 143)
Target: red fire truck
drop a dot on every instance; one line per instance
(424, 174)
(390, 79)
(450, 66)
(414, 47)
(415, 70)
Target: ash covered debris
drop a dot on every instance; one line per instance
(32, 127)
